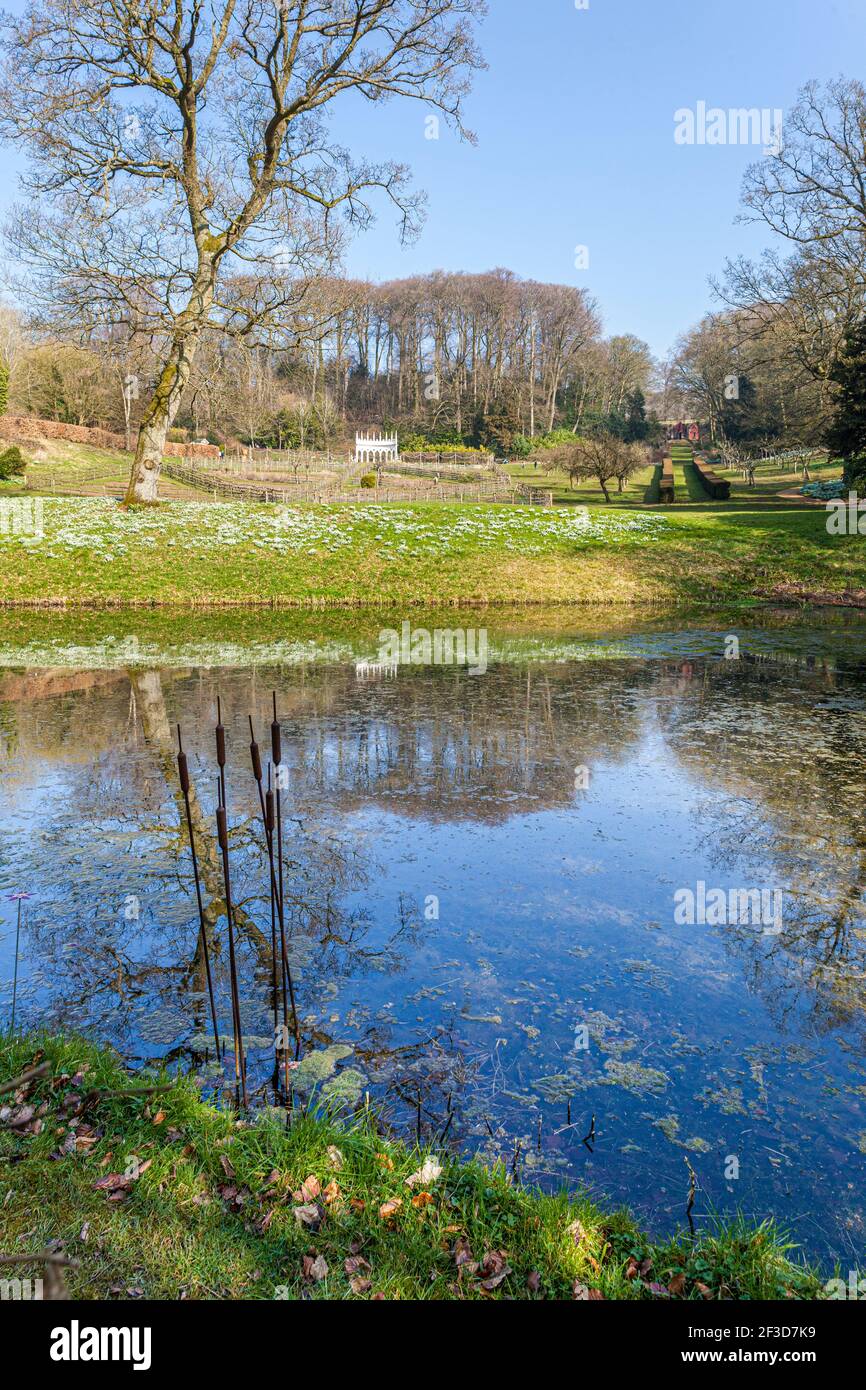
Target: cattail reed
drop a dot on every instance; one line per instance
(277, 757)
(266, 801)
(221, 751)
(183, 772)
(240, 1063)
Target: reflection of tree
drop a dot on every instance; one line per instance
(784, 740)
(436, 744)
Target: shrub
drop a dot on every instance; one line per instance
(12, 463)
(368, 480)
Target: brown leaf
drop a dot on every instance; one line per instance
(704, 1290)
(331, 1193)
(315, 1268)
(357, 1203)
(308, 1215)
(496, 1279)
(576, 1231)
(462, 1252)
(645, 1267)
(227, 1165)
(386, 1162)
(422, 1199)
(310, 1188)
(533, 1282)
(354, 1263)
(112, 1182)
(159, 1117)
(389, 1208)
(631, 1269)
(677, 1285)
(360, 1285)
(335, 1158)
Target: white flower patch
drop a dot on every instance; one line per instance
(106, 532)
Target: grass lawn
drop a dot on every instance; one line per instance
(94, 552)
(196, 1203)
(64, 467)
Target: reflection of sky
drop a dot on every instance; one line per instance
(552, 915)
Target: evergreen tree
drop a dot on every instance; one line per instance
(846, 436)
(636, 428)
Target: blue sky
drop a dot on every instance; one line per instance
(575, 125)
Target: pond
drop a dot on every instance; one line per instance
(502, 890)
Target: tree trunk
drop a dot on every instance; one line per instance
(157, 420)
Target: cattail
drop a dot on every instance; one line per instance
(240, 1063)
(276, 738)
(185, 786)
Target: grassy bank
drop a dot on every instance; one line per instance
(163, 1196)
(92, 552)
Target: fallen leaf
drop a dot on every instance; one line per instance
(462, 1252)
(335, 1158)
(677, 1285)
(430, 1170)
(533, 1282)
(422, 1199)
(159, 1117)
(704, 1290)
(576, 1231)
(390, 1208)
(331, 1193)
(227, 1165)
(360, 1285)
(315, 1268)
(310, 1188)
(386, 1162)
(307, 1215)
(354, 1263)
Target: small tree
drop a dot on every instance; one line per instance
(846, 436)
(12, 463)
(604, 457)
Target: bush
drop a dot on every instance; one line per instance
(368, 480)
(12, 463)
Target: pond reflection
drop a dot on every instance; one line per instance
(480, 884)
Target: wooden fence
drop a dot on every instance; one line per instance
(500, 491)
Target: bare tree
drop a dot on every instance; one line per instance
(224, 164)
(603, 457)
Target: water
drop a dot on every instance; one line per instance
(481, 879)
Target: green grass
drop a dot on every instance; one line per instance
(93, 552)
(62, 467)
(212, 1214)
